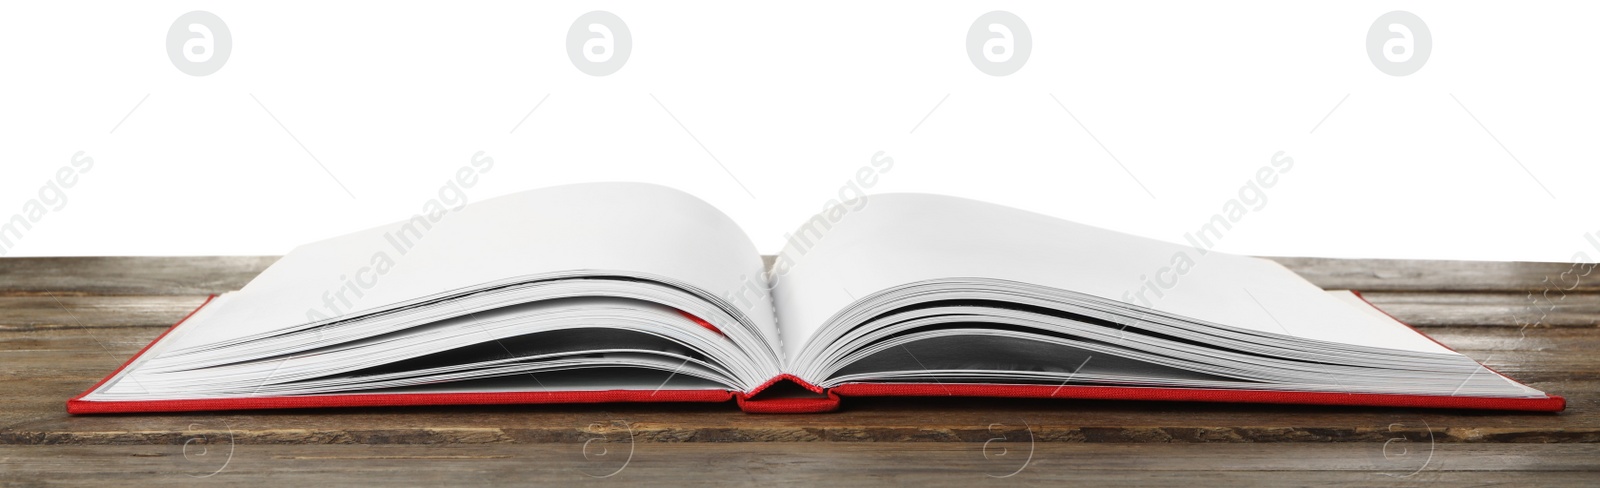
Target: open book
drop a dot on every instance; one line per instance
(632, 292)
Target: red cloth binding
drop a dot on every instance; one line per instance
(750, 404)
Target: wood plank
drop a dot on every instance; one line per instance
(806, 464)
(1524, 309)
(1426, 275)
(59, 312)
(202, 275)
(44, 367)
(81, 276)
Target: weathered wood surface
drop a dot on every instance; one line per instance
(66, 322)
(1420, 275)
(807, 464)
(87, 276)
(63, 312)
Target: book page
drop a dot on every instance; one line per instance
(586, 228)
(895, 239)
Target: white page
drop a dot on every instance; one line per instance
(896, 239)
(632, 227)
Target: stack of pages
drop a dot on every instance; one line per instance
(631, 292)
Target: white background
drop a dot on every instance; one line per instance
(792, 97)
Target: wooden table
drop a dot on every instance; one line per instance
(66, 322)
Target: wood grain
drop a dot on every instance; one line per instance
(1421, 275)
(61, 312)
(806, 464)
(1525, 309)
(89, 276)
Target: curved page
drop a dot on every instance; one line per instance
(896, 239)
(599, 227)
